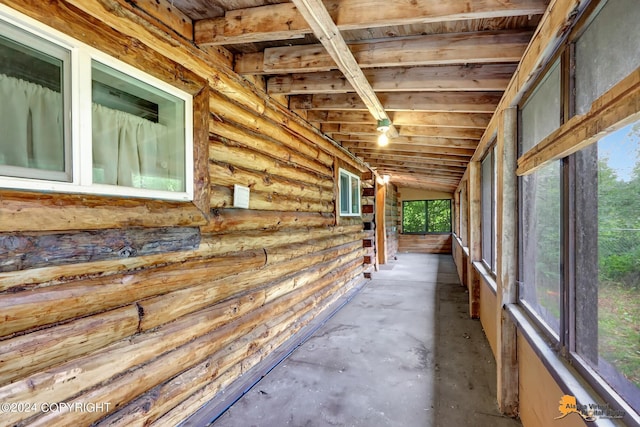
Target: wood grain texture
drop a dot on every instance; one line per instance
(26, 251)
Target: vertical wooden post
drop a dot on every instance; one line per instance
(381, 232)
(456, 210)
(475, 235)
(507, 247)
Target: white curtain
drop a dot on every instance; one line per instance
(128, 150)
(30, 125)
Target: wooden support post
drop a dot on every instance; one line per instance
(475, 234)
(381, 237)
(507, 247)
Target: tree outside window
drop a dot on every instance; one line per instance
(426, 216)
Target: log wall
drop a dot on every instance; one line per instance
(150, 308)
(425, 243)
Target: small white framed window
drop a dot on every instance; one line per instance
(349, 189)
(78, 120)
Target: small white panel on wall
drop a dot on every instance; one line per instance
(240, 196)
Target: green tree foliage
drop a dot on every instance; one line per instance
(426, 216)
(619, 225)
(414, 219)
(439, 216)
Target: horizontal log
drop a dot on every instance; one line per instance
(288, 252)
(25, 310)
(227, 175)
(235, 220)
(138, 381)
(261, 104)
(24, 355)
(233, 135)
(349, 257)
(58, 212)
(20, 251)
(212, 388)
(222, 197)
(244, 157)
(165, 308)
(233, 113)
(259, 240)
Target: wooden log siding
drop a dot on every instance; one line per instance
(25, 251)
(159, 334)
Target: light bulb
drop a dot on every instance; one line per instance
(383, 140)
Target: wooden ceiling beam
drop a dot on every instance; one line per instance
(422, 131)
(404, 118)
(433, 165)
(427, 157)
(474, 102)
(395, 169)
(283, 22)
(435, 49)
(412, 180)
(318, 18)
(470, 144)
(370, 130)
(449, 151)
(470, 77)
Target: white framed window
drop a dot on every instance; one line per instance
(74, 119)
(349, 188)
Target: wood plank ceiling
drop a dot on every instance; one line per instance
(437, 69)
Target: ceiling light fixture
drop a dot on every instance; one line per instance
(383, 140)
(384, 125)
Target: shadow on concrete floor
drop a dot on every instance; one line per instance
(403, 352)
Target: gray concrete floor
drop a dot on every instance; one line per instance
(403, 352)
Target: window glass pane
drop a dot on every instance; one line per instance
(541, 114)
(607, 51)
(541, 243)
(138, 133)
(414, 219)
(439, 216)
(487, 203)
(344, 193)
(34, 81)
(611, 244)
(355, 195)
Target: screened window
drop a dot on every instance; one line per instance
(607, 51)
(349, 188)
(125, 133)
(608, 259)
(541, 114)
(489, 210)
(579, 216)
(541, 244)
(426, 216)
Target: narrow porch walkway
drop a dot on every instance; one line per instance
(403, 352)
